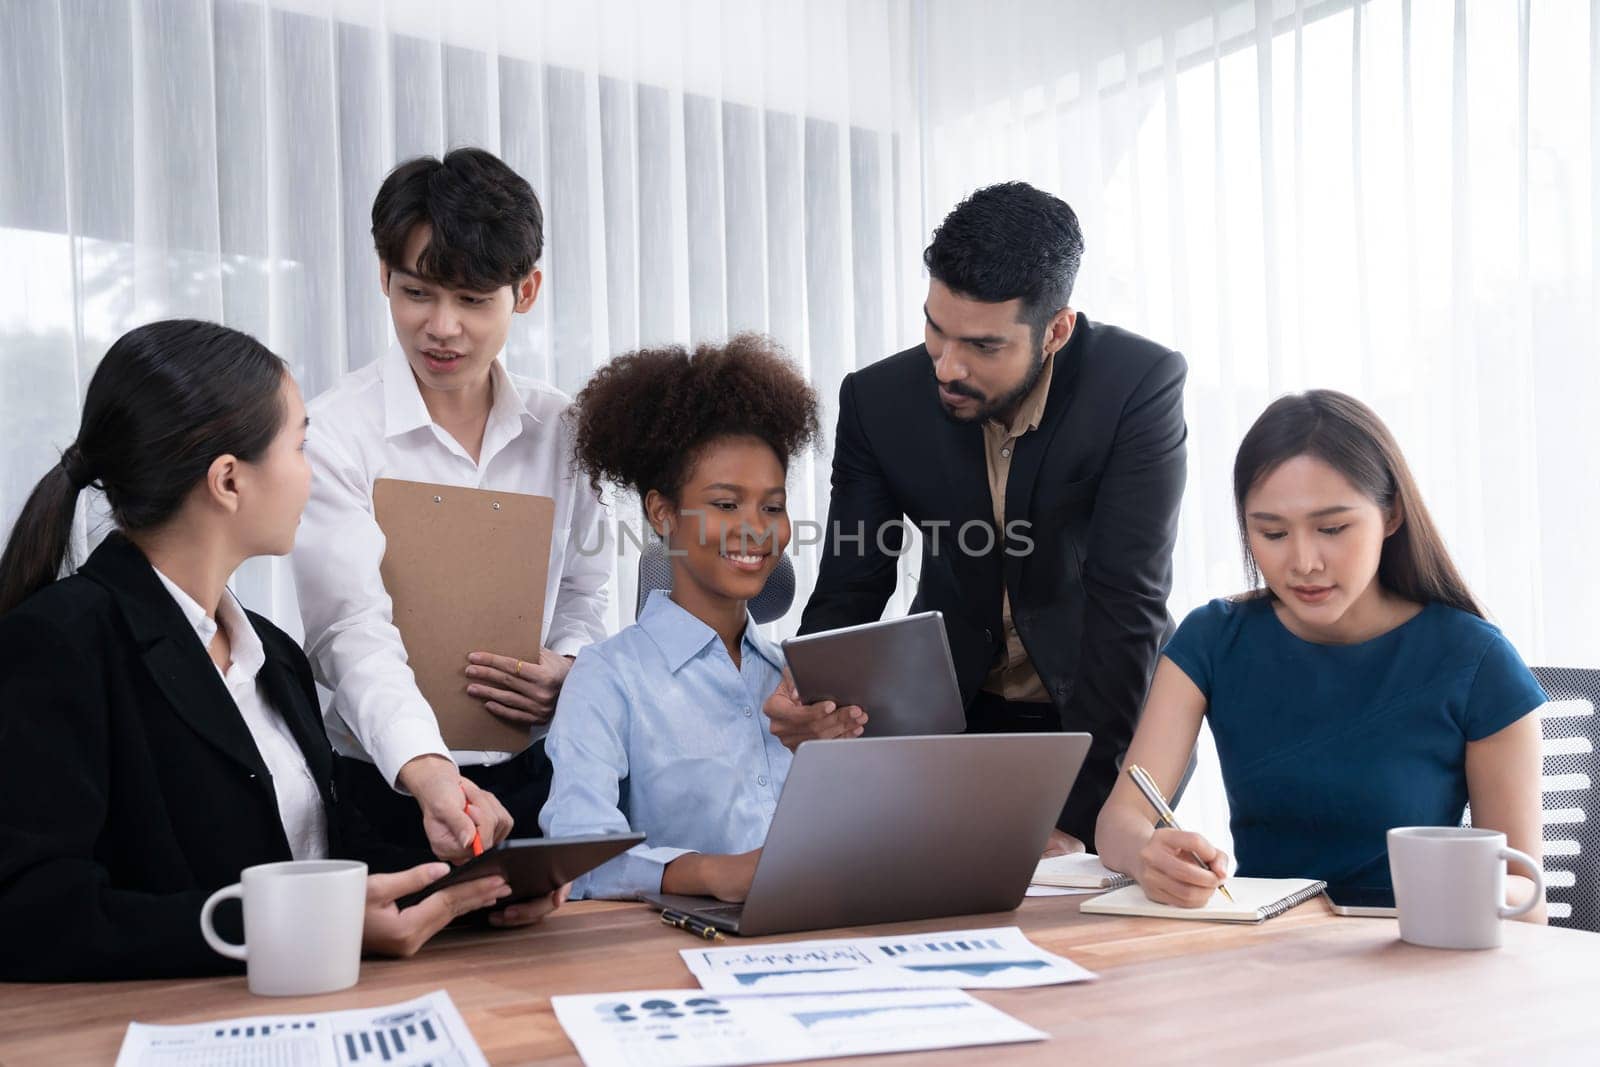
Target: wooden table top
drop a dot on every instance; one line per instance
(1308, 986)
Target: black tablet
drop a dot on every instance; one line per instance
(534, 866)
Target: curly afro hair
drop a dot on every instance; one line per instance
(643, 417)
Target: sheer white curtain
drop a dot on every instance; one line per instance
(705, 167)
(1395, 198)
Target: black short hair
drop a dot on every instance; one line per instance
(644, 417)
(1009, 241)
(488, 228)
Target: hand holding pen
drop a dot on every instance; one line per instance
(1190, 844)
(477, 835)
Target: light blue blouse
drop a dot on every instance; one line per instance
(657, 731)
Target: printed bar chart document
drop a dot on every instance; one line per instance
(997, 958)
(674, 1028)
(427, 1030)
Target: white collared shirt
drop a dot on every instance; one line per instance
(373, 424)
(305, 822)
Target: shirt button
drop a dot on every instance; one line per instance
(747, 712)
(761, 779)
(1005, 453)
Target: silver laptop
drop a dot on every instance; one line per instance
(898, 670)
(877, 830)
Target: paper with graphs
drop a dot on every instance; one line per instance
(997, 958)
(679, 1028)
(428, 1030)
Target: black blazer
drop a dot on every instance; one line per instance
(132, 788)
(1098, 484)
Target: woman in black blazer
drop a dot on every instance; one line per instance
(135, 784)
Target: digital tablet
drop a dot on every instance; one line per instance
(534, 866)
(898, 671)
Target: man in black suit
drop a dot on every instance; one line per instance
(1042, 457)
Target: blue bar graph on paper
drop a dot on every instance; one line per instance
(974, 945)
(391, 1040)
(263, 1030)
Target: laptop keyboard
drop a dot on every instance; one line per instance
(722, 911)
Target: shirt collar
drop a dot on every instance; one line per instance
(1031, 411)
(247, 652)
(681, 637)
(403, 406)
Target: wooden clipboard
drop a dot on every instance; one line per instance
(466, 570)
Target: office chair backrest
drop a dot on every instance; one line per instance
(771, 604)
(1571, 767)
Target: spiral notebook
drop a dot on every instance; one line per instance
(1254, 900)
(1081, 870)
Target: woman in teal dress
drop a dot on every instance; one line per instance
(1358, 688)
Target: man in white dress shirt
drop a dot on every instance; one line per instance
(458, 241)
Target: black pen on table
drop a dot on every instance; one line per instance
(1147, 786)
(689, 924)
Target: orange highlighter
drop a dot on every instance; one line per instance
(477, 837)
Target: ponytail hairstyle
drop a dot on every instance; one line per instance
(166, 401)
(1348, 436)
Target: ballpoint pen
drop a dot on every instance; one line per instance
(690, 924)
(1147, 786)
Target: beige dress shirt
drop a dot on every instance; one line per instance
(1012, 677)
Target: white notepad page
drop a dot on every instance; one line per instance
(1254, 899)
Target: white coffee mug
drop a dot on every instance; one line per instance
(302, 925)
(1450, 885)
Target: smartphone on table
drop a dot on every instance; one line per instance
(1372, 902)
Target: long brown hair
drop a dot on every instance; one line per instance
(166, 400)
(1349, 437)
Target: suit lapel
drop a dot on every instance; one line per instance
(284, 695)
(196, 691)
(964, 464)
(172, 653)
(1031, 449)
(965, 470)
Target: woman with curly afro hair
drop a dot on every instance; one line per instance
(659, 729)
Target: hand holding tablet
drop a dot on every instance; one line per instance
(534, 866)
(898, 671)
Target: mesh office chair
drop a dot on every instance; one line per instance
(770, 605)
(1571, 765)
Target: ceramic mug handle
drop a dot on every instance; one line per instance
(1510, 855)
(228, 948)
